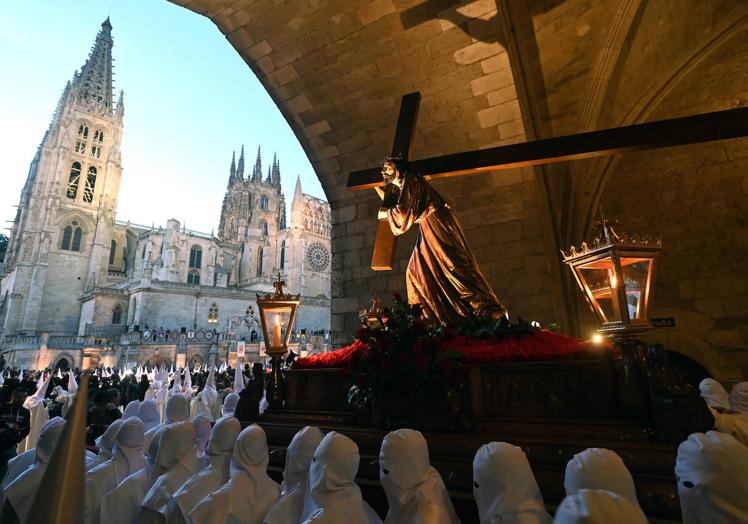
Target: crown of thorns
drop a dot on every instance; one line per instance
(393, 158)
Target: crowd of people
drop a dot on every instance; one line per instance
(187, 459)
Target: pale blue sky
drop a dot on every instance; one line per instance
(190, 100)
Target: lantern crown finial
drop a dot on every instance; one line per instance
(278, 285)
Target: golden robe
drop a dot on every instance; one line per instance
(442, 275)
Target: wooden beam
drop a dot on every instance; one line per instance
(706, 127)
(385, 243)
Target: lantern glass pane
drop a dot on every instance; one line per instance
(597, 276)
(277, 319)
(636, 272)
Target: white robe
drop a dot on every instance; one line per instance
(295, 477)
(504, 487)
(415, 490)
(333, 496)
(714, 394)
(176, 462)
(20, 493)
(127, 458)
(597, 506)
(203, 483)
(131, 410)
(249, 494)
(602, 469)
(711, 473)
(201, 425)
(105, 442)
(198, 406)
(120, 506)
(39, 416)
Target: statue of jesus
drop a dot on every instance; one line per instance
(442, 275)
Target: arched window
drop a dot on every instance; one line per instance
(283, 255)
(88, 191)
(81, 139)
(117, 314)
(193, 277)
(264, 227)
(264, 203)
(98, 139)
(196, 257)
(259, 260)
(71, 237)
(213, 314)
(74, 180)
(112, 251)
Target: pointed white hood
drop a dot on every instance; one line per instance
(201, 425)
(598, 468)
(148, 413)
(131, 410)
(238, 380)
(177, 409)
(295, 476)
(176, 389)
(229, 405)
(105, 442)
(739, 397)
(415, 490)
(332, 495)
(22, 491)
(597, 506)
(504, 486)
(72, 383)
(249, 493)
(711, 473)
(210, 393)
(714, 394)
(127, 458)
(187, 389)
(203, 483)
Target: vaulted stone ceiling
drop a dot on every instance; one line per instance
(500, 71)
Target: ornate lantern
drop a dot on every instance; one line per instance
(376, 314)
(277, 317)
(615, 274)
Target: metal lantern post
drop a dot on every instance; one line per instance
(615, 274)
(277, 317)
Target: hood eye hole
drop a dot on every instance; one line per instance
(476, 484)
(314, 459)
(385, 471)
(688, 484)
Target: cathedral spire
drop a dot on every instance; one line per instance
(239, 174)
(269, 179)
(257, 171)
(120, 111)
(232, 169)
(94, 83)
(276, 177)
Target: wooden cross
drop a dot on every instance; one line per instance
(402, 146)
(706, 127)
(278, 285)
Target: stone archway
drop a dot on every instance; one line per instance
(157, 361)
(63, 362)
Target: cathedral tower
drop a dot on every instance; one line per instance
(62, 234)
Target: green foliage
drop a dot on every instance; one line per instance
(403, 358)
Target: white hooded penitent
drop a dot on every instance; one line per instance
(204, 482)
(249, 493)
(333, 495)
(415, 490)
(597, 506)
(504, 486)
(295, 477)
(711, 473)
(598, 468)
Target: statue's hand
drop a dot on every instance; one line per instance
(382, 214)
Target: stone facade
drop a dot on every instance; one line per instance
(77, 283)
(495, 72)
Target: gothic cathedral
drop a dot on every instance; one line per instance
(81, 288)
